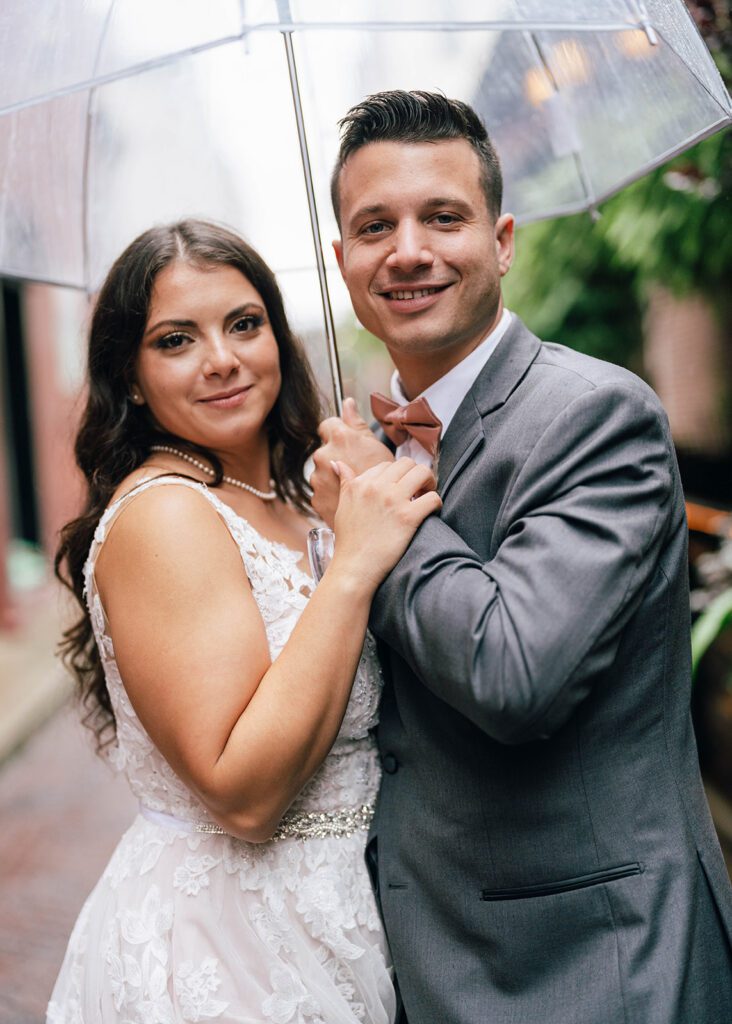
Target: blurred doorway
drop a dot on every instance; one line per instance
(21, 564)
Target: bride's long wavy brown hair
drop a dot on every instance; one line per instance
(115, 434)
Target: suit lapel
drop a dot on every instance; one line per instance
(494, 384)
(462, 438)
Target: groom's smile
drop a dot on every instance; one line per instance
(420, 252)
(412, 298)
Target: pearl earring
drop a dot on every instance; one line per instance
(136, 397)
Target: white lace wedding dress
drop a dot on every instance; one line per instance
(188, 924)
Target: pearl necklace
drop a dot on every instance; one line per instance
(264, 495)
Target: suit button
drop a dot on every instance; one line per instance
(389, 763)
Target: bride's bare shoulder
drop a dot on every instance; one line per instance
(171, 527)
(173, 496)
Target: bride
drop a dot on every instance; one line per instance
(237, 698)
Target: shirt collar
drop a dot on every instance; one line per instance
(447, 393)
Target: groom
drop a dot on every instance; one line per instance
(542, 849)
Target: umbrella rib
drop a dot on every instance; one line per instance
(601, 197)
(116, 76)
(85, 261)
(669, 154)
(579, 161)
(727, 111)
(448, 26)
(85, 254)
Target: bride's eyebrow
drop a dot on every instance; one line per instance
(175, 324)
(245, 308)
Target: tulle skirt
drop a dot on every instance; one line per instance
(198, 927)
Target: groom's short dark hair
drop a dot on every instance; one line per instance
(418, 116)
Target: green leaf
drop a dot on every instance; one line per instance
(713, 620)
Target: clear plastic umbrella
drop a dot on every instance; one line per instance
(117, 114)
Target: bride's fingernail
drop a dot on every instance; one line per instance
(336, 468)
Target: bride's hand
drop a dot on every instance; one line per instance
(347, 438)
(378, 514)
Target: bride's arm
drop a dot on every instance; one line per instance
(244, 733)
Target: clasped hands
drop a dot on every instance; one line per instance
(345, 439)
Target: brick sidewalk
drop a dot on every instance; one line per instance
(62, 812)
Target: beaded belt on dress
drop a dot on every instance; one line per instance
(299, 825)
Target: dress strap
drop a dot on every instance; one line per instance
(242, 533)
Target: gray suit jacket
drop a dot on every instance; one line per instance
(545, 850)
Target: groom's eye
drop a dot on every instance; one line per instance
(374, 229)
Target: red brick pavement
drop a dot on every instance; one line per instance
(62, 812)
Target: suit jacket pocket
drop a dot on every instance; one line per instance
(563, 885)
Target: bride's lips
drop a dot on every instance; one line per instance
(227, 399)
(412, 298)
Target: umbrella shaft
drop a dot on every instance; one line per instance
(314, 225)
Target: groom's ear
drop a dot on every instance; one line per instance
(338, 250)
(504, 231)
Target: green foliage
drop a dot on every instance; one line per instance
(715, 618)
(675, 224)
(568, 286)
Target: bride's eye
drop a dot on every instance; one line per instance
(248, 323)
(174, 340)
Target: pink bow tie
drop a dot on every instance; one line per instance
(400, 422)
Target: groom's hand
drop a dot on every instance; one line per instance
(347, 439)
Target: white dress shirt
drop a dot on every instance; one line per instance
(447, 393)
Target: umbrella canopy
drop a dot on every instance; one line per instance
(117, 114)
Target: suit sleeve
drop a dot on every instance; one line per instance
(514, 643)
